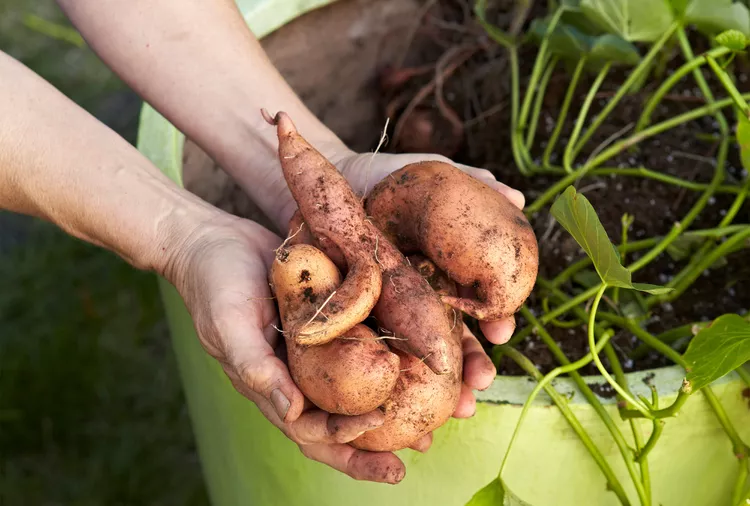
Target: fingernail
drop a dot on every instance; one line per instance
(280, 403)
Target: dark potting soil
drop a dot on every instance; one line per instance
(479, 93)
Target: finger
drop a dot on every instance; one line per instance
(257, 367)
(498, 331)
(467, 403)
(516, 197)
(380, 467)
(479, 371)
(422, 444)
(318, 426)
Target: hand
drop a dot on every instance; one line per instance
(221, 271)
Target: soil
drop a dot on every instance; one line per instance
(363, 39)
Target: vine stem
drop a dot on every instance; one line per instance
(662, 178)
(541, 384)
(563, 112)
(537, 109)
(728, 85)
(622, 145)
(687, 51)
(622, 445)
(740, 449)
(635, 428)
(569, 155)
(690, 66)
(530, 369)
(632, 78)
(595, 356)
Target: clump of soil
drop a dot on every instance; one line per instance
(435, 51)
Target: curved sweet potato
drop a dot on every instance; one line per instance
(351, 375)
(336, 220)
(421, 401)
(333, 213)
(473, 233)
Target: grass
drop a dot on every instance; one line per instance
(91, 408)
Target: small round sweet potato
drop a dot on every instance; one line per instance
(473, 233)
(350, 375)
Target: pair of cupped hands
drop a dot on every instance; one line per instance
(223, 278)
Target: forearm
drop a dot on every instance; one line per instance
(200, 66)
(59, 163)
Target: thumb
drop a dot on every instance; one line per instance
(255, 367)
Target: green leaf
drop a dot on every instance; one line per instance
(633, 20)
(610, 47)
(570, 43)
(715, 16)
(684, 246)
(652, 289)
(587, 278)
(679, 6)
(496, 493)
(743, 139)
(717, 350)
(576, 214)
(732, 39)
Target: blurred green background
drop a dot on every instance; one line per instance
(91, 408)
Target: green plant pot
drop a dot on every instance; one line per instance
(248, 461)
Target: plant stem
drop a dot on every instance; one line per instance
(635, 428)
(663, 178)
(707, 261)
(563, 112)
(678, 227)
(514, 101)
(594, 355)
(632, 78)
(739, 447)
(538, 388)
(739, 486)
(669, 411)
(728, 85)
(536, 112)
(622, 145)
(561, 402)
(569, 156)
(686, 68)
(687, 51)
(655, 434)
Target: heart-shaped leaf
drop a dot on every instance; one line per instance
(496, 493)
(576, 214)
(717, 350)
(732, 39)
(570, 43)
(715, 16)
(632, 20)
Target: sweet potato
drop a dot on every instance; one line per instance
(421, 400)
(351, 375)
(334, 214)
(473, 233)
(336, 219)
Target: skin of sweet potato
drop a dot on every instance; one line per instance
(350, 375)
(333, 214)
(470, 231)
(335, 219)
(421, 401)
